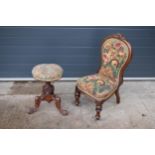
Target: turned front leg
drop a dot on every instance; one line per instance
(98, 109)
(77, 96)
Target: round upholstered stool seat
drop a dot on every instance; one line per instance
(47, 72)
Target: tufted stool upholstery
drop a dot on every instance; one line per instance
(48, 73)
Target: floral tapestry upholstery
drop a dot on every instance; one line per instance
(114, 53)
(47, 72)
(96, 86)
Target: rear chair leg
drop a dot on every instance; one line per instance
(77, 96)
(117, 96)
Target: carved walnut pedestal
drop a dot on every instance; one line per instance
(49, 96)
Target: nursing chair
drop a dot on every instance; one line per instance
(116, 54)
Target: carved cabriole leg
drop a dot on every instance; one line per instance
(37, 105)
(37, 102)
(98, 109)
(57, 100)
(77, 96)
(117, 96)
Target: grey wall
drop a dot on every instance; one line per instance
(76, 49)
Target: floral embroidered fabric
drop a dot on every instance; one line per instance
(114, 55)
(96, 86)
(47, 72)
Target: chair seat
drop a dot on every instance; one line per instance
(47, 72)
(97, 86)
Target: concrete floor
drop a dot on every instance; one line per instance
(137, 108)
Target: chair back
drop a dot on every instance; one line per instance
(116, 53)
